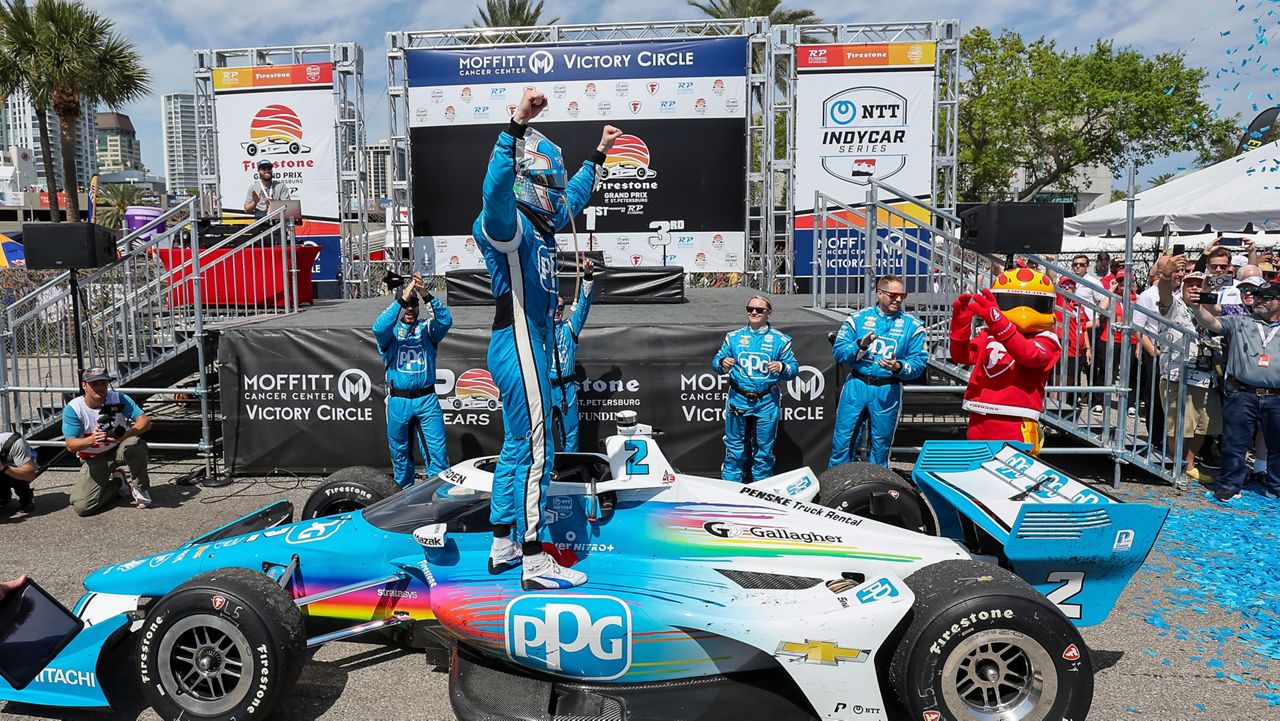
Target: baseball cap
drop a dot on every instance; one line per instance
(264, 163)
(1193, 275)
(97, 373)
(1268, 290)
(1238, 260)
(1254, 282)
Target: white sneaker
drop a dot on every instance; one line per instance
(504, 555)
(141, 497)
(542, 572)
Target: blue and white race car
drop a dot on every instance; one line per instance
(797, 596)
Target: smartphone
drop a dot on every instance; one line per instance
(1230, 242)
(34, 628)
(1179, 249)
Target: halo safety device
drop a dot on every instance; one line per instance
(540, 174)
(1026, 297)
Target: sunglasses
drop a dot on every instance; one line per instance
(1219, 266)
(892, 296)
(753, 310)
(1080, 265)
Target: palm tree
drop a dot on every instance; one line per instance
(20, 71)
(1161, 179)
(511, 14)
(113, 199)
(728, 9)
(86, 62)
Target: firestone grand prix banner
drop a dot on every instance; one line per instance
(312, 400)
(863, 111)
(285, 114)
(673, 190)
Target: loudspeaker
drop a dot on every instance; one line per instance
(60, 246)
(1001, 228)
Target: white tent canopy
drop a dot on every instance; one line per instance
(1226, 197)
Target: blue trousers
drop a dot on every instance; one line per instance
(564, 400)
(864, 406)
(415, 421)
(518, 364)
(1242, 414)
(760, 421)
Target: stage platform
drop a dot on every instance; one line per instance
(304, 393)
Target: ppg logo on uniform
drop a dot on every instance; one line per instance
(586, 637)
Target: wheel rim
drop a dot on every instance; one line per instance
(206, 664)
(1000, 675)
(346, 506)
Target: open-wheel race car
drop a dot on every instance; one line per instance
(796, 596)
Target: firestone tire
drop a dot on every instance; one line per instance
(228, 644)
(348, 490)
(870, 491)
(982, 643)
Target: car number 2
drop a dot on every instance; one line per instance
(1072, 583)
(639, 450)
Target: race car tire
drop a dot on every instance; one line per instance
(252, 150)
(348, 490)
(294, 148)
(981, 643)
(228, 644)
(870, 491)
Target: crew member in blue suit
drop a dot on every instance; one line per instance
(408, 349)
(757, 358)
(564, 392)
(526, 200)
(884, 346)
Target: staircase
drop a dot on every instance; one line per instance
(1088, 404)
(145, 318)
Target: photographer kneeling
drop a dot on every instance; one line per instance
(102, 428)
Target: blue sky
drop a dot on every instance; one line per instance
(1214, 34)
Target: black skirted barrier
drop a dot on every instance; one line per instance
(306, 394)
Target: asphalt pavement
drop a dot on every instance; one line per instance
(1195, 636)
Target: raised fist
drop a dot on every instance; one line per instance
(607, 137)
(530, 105)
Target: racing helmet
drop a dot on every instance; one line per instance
(1026, 297)
(540, 175)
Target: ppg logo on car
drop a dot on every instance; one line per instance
(586, 637)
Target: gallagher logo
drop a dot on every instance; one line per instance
(864, 132)
(275, 130)
(628, 158)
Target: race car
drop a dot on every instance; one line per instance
(276, 145)
(796, 596)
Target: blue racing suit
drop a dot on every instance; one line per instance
(413, 409)
(521, 263)
(564, 392)
(752, 404)
(873, 394)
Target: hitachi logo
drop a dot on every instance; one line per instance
(68, 677)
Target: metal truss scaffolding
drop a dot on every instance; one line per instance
(771, 132)
(349, 136)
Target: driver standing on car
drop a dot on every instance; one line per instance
(526, 200)
(264, 189)
(408, 349)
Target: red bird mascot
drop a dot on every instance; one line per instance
(1011, 358)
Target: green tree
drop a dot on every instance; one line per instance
(1051, 113)
(113, 199)
(1160, 179)
(86, 62)
(20, 70)
(511, 14)
(729, 9)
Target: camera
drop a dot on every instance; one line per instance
(1204, 358)
(107, 417)
(1218, 282)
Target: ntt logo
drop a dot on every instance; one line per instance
(541, 62)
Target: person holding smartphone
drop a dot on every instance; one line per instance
(7, 587)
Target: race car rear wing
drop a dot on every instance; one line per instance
(1078, 545)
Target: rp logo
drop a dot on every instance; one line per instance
(354, 385)
(586, 637)
(808, 384)
(541, 62)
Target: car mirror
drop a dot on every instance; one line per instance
(432, 536)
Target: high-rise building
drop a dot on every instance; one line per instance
(178, 124)
(378, 165)
(118, 146)
(18, 127)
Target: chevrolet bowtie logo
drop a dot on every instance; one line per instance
(823, 652)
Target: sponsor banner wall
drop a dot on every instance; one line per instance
(863, 111)
(312, 400)
(285, 114)
(674, 186)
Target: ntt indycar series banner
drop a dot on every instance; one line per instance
(673, 189)
(863, 111)
(312, 400)
(285, 114)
